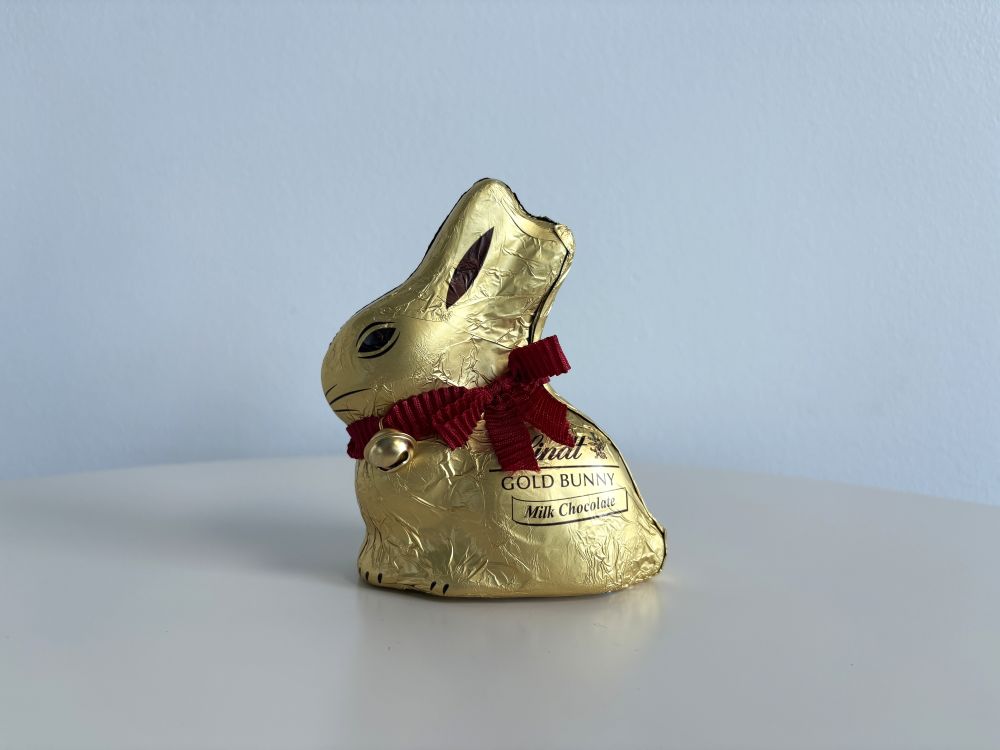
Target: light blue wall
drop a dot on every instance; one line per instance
(786, 217)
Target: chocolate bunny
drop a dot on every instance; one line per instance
(532, 500)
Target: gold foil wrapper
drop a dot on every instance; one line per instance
(451, 522)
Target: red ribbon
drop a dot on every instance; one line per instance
(509, 404)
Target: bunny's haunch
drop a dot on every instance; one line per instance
(474, 478)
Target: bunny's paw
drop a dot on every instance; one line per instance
(438, 588)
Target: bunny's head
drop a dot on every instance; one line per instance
(484, 287)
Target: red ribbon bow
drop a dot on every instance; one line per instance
(509, 404)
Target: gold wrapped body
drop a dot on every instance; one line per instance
(451, 522)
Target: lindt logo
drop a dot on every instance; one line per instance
(546, 450)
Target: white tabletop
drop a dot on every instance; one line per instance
(218, 606)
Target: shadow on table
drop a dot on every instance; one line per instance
(523, 668)
(298, 541)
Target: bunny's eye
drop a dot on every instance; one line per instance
(376, 341)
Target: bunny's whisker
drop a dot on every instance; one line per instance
(345, 395)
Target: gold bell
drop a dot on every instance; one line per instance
(389, 450)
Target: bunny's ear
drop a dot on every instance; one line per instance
(468, 268)
(492, 268)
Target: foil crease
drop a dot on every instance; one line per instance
(450, 522)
